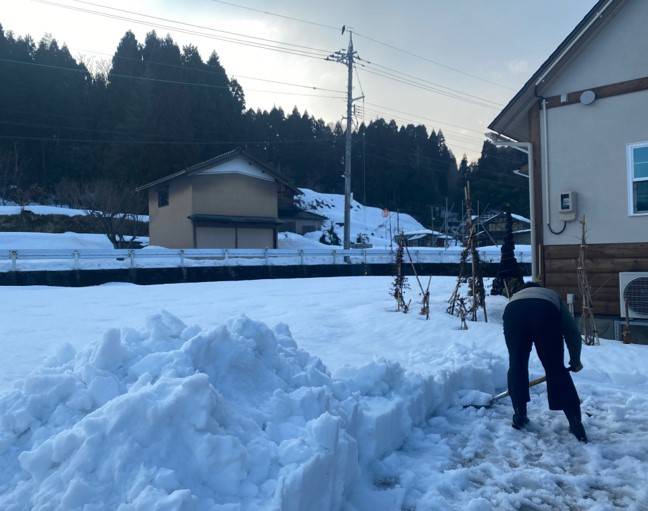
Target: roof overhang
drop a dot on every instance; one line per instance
(226, 220)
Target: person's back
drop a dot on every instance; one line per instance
(537, 316)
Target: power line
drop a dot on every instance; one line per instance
(369, 38)
(284, 16)
(161, 80)
(452, 90)
(202, 27)
(160, 142)
(458, 126)
(428, 88)
(206, 71)
(437, 63)
(278, 47)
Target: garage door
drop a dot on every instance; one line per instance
(215, 237)
(255, 238)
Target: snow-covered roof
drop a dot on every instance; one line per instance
(419, 233)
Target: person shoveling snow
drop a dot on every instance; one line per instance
(537, 316)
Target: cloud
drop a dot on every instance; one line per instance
(518, 66)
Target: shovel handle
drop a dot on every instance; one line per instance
(532, 383)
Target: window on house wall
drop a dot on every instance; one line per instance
(638, 178)
(163, 197)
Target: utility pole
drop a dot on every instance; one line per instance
(347, 57)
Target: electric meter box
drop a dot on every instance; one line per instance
(567, 206)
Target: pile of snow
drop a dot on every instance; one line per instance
(292, 240)
(175, 418)
(66, 240)
(366, 220)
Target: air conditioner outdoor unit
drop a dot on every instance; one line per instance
(633, 290)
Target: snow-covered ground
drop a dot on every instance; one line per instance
(65, 240)
(233, 414)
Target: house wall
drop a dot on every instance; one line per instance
(234, 195)
(169, 226)
(614, 53)
(587, 155)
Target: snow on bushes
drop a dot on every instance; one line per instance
(174, 418)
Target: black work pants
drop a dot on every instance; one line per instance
(536, 322)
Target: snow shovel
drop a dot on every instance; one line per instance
(505, 393)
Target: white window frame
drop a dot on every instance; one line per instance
(631, 179)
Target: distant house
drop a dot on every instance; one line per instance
(585, 114)
(491, 229)
(426, 238)
(230, 201)
(295, 219)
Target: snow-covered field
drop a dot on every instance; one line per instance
(124, 412)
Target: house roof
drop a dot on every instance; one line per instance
(233, 220)
(222, 158)
(296, 212)
(518, 218)
(527, 95)
(420, 233)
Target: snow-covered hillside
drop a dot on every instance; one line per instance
(366, 220)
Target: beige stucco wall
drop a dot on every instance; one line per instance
(587, 155)
(169, 226)
(614, 53)
(234, 195)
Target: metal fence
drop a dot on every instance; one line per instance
(67, 259)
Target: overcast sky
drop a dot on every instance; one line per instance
(500, 41)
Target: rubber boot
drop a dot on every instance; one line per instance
(520, 418)
(576, 424)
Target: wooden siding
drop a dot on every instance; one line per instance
(604, 262)
(604, 91)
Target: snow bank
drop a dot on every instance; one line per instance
(175, 418)
(297, 241)
(66, 240)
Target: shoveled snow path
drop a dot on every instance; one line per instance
(471, 458)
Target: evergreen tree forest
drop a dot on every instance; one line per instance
(139, 120)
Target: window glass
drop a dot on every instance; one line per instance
(640, 162)
(163, 197)
(640, 196)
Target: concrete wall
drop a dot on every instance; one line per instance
(587, 155)
(234, 195)
(169, 226)
(616, 52)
